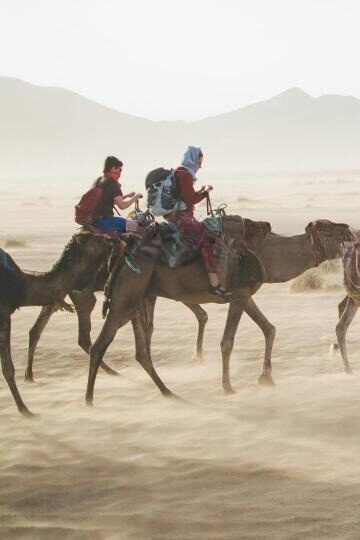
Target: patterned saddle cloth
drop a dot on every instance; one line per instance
(176, 250)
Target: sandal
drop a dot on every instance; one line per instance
(219, 291)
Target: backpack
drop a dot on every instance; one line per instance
(162, 192)
(88, 208)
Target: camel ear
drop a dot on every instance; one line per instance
(268, 227)
(309, 227)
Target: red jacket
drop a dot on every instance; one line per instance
(185, 183)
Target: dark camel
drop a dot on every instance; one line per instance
(77, 266)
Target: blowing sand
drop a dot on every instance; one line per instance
(278, 462)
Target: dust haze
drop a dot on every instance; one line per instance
(262, 463)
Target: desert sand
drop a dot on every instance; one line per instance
(264, 463)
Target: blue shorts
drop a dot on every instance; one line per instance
(111, 223)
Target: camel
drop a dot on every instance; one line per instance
(77, 266)
(84, 300)
(284, 258)
(189, 284)
(348, 307)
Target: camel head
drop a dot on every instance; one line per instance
(328, 237)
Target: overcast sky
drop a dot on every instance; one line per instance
(183, 59)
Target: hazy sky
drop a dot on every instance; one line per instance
(183, 59)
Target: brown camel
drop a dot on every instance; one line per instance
(77, 266)
(348, 307)
(283, 258)
(243, 275)
(84, 301)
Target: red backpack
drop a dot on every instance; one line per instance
(88, 208)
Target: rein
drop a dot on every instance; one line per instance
(209, 210)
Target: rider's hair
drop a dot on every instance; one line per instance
(110, 162)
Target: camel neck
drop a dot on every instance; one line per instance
(45, 288)
(285, 258)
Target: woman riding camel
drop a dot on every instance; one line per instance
(112, 196)
(191, 229)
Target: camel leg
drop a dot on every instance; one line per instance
(84, 302)
(232, 322)
(8, 366)
(97, 351)
(342, 306)
(127, 296)
(34, 336)
(147, 312)
(202, 318)
(100, 346)
(341, 330)
(341, 309)
(143, 354)
(269, 333)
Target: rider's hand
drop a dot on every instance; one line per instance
(129, 195)
(208, 188)
(201, 189)
(138, 196)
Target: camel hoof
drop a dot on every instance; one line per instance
(29, 378)
(228, 391)
(111, 372)
(27, 414)
(349, 371)
(266, 380)
(89, 401)
(334, 348)
(170, 395)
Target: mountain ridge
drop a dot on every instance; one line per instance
(290, 130)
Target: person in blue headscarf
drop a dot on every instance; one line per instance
(191, 229)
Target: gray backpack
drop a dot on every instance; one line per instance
(162, 192)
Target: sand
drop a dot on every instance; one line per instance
(278, 462)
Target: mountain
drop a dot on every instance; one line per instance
(55, 131)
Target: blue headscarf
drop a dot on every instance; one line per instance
(190, 160)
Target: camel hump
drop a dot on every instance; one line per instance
(12, 282)
(245, 229)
